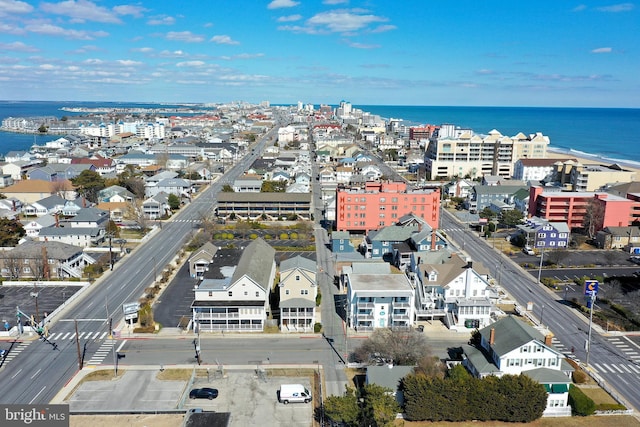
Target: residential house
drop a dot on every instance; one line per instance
(115, 193)
(48, 206)
(459, 187)
(5, 180)
(627, 238)
(200, 259)
(77, 236)
(27, 260)
(341, 242)
(454, 290)
(379, 243)
(239, 302)
(32, 227)
(176, 186)
(89, 218)
(542, 234)
(482, 196)
(512, 347)
(298, 290)
(389, 377)
(104, 166)
(537, 169)
(157, 206)
(249, 183)
(30, 190)
(376, 297)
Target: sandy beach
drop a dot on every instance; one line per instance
(586, 158)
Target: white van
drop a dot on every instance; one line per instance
(294, 393)
(528, 250)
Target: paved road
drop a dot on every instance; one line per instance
(610, 356)
(40, 369)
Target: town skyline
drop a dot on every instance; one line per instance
(551, 54)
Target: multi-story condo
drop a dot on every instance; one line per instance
(606, 210)
(576, 176)
(461, 152)
(379, 205)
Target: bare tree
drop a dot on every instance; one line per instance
(556, 256)
(38, 268)
(593, 217)
(401, 347)
(136, 214)
(13, 263)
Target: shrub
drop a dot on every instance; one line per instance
(579, 377)
(317, 327)
(610, 407)
(318, 299)
(581, 404)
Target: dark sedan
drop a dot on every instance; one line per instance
(203, 393)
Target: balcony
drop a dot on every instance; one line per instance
(366, 305)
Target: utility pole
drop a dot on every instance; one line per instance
(593, 301)
(78, 345)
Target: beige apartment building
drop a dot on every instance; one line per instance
(458, 152)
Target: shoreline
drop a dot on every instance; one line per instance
(589, 158)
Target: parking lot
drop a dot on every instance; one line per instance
(49, 298)
(248, 397)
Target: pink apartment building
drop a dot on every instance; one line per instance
(378, 205)
(571, 207)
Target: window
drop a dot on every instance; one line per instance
(257, 294)
(27, 269)
(246, 293)
(298, 277)
(304, 292)
(230, 293)
(210, 293)
(286, 291)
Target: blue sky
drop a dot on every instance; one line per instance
(386, 52)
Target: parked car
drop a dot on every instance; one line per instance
(527, 250)
(203, 393)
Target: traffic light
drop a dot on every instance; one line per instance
(121, 356)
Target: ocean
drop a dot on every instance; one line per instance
(607, 134)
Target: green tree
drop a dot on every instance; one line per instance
(379, 407)
(43, 128)
(273, 187)
(227, 189)
(487, 213)
(11, 231)
(343, 409)
(173, 201)
(88, 184)
(511, 218)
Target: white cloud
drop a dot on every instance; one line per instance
(363, 46)
(383, 28)
(621, 7)
(290, 18)
(142, 49)
(184, 36)
(54, 30)
(135, 11)
(17, 47)
(333, 2)
(162, 20)
(129, 63)
(48, 67)
(13, 7)
(190, 64)
(602, 50)
(278, 4)
(173, 54)
(223, 39)
(580, 8)
(344, 20)
(93, 61)
(81, 11)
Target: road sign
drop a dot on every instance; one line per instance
(591, 287)
(130, 310)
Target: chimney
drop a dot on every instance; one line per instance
(433, 239)
(492, 336)
(57, 220)
(469, 263)
(547, 339)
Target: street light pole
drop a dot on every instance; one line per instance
(540, 268)
(593, 301)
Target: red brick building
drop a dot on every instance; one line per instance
(381, 204)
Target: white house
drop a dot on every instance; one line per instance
(240, 302)
(377, 298)
(512, 347)
(298, 290)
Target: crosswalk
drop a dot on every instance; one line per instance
(563, 349)
(102, 352)
(630, 350)
(92, 335)
(17, 348)
(617, 368)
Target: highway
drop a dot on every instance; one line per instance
(41, 369)
(609, 357)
